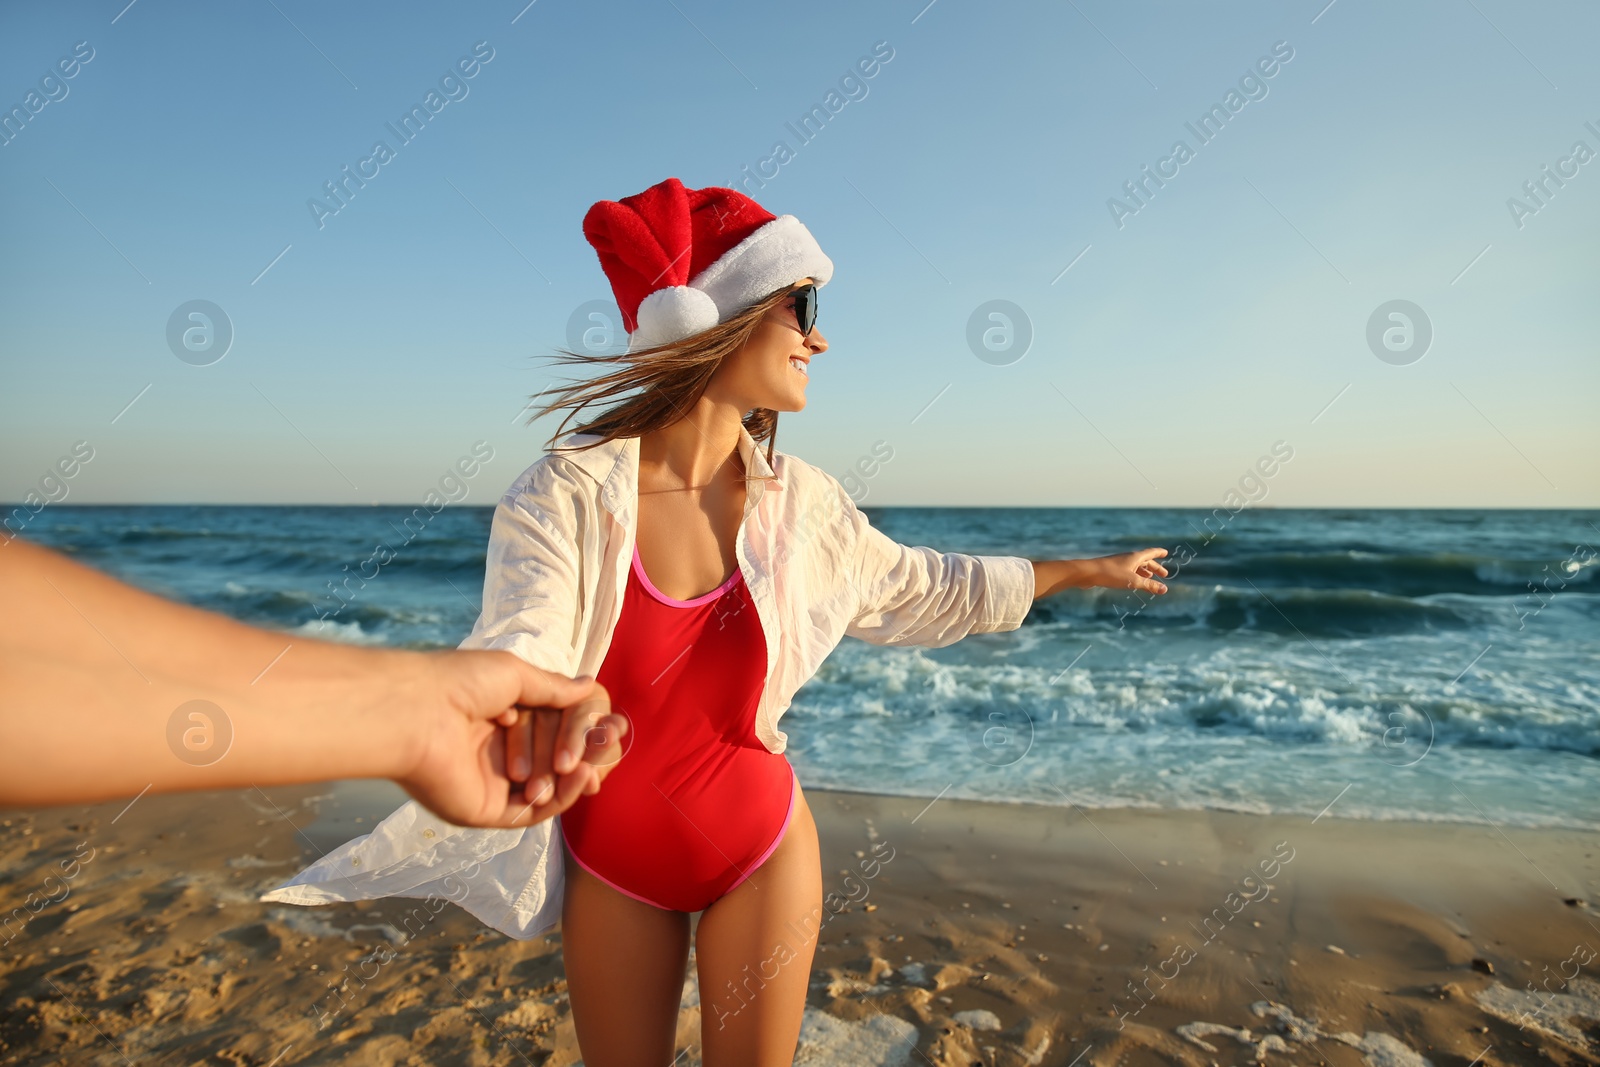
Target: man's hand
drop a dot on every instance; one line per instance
(499, 721)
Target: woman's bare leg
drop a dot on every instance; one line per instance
(753, 951)
(625, 962)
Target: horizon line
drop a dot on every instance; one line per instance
(8, 506)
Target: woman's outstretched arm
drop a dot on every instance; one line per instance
(1127, 570)
(106, 690)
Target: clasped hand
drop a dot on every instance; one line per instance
(512, 745)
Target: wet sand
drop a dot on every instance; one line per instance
(992, 934)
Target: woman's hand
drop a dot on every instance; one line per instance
(500, 722)
(569, 751)
(1131, 570)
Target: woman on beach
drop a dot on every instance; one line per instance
(702, 580)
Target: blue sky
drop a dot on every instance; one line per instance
(1169, 352)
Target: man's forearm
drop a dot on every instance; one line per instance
(94, 673)
(81, 732)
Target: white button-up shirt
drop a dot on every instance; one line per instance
(560, 546)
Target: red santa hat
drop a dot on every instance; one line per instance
(683, 260)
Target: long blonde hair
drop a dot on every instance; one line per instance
(665, 381)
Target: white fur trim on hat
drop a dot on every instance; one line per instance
(779, 253)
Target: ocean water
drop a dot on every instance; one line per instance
(1371, 664)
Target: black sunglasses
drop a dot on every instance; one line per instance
(805, 308)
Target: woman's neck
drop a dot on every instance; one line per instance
(694, 450)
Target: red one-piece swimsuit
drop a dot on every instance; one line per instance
(697, 802)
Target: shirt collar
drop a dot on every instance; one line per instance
(609, 463)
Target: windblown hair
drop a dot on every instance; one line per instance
(665, 381)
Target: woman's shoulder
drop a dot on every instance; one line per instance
(809, 476)
(804, 481)
(566, 474)
(812, 498)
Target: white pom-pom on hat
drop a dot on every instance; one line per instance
(670, 313)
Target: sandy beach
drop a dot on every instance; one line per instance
(989, 934)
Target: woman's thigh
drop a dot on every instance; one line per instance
(625, 962)
(753, 951)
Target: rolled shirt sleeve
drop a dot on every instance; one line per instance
(920, 596)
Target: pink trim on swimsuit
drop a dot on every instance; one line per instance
(573, 855)
(650, 587)
(759, 860)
